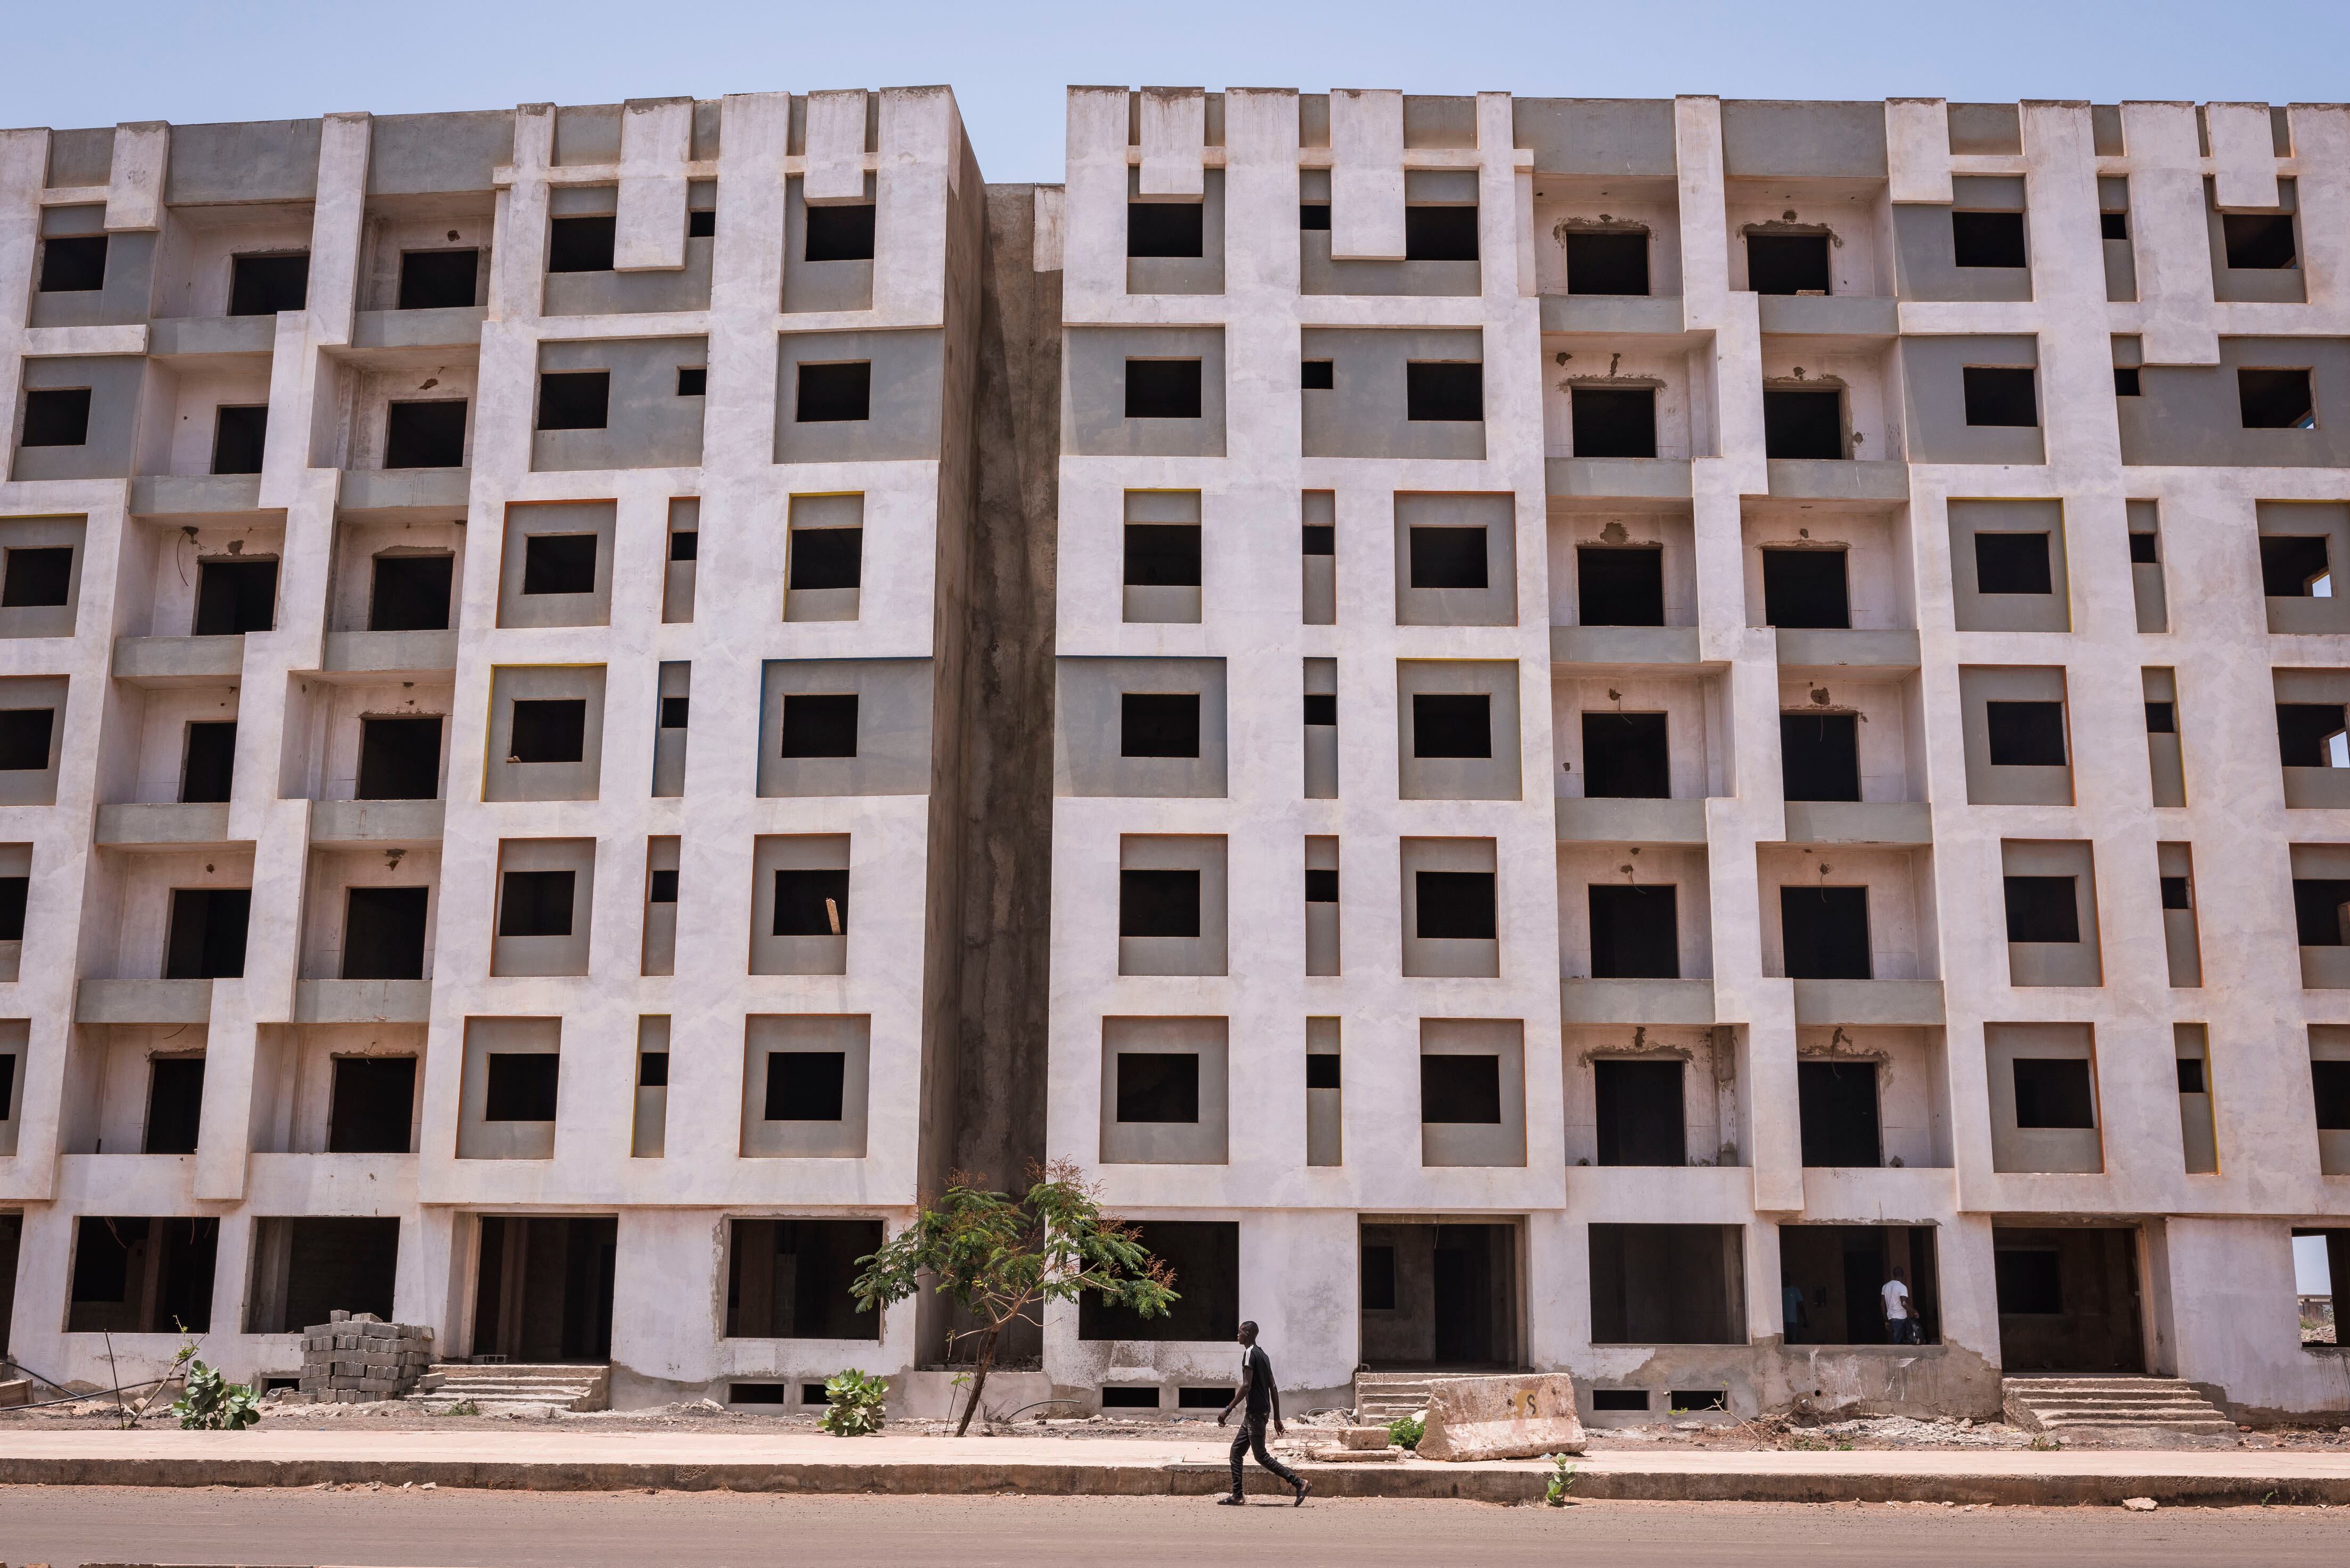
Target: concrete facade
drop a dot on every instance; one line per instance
(1151, 606)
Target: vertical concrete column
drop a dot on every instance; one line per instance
(2243, 154)
(1174, 134)
(134, 187)
(1367, 175)
(1093, 252)
(920, 163)
(1917, 151)
(649, 227)
(2169, 235)
(2321, 147)
(834, 147)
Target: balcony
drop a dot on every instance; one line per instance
(363, 1001)
(1618, 478)
(166, 496)
(1860, 822)
(1606, 820)
(1869, 1001)
(1851, 652)
(1829, 316)
(391, 653)
(1677, 1002)
(161, 826)
(452, 327)
(143, 1001)
(1669, 648)
(1612, 314)
(376, 823)
(210, 336)
(406, 489)
(1863, 480)
(178, 661)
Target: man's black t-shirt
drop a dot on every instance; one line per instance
(1259, 1370)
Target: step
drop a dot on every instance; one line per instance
(2122, 1407)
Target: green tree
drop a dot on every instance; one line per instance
(1001, 1260)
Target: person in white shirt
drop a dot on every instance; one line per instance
(1900, 1315)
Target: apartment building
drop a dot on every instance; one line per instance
(1545, 733)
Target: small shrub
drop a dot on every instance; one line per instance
(1562, 1481)
(211, 1403)
(856, 1403)
(1406, 1432)
(461, 1408)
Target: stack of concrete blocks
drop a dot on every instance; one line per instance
(357, 1358)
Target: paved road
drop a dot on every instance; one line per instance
(451, 1529)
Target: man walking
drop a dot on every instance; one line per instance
(1264, 1402)
(1900, 1316)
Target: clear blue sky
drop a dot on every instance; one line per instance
(80, 64)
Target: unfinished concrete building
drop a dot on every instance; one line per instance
(1548, 733)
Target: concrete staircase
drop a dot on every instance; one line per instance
(2126, 1409)
(564, 1386)
(1384, 1397)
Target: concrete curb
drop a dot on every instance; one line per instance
(1475, 1483)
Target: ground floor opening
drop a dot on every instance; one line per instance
(543, 1287)
(1668, 1284)
(1437, 1294)
(306, 1268)
(1832, 1280)
(2068, 1299)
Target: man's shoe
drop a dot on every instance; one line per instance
(1303, 1486)
(1235, 1500)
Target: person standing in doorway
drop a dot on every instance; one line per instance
(1901, 1314)
(1263, 1402)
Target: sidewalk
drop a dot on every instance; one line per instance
(1127, 1467)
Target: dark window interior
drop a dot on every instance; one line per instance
(2276, 400)
(2145, 550)
(1317, 375)
(675, 711)
(372, 1102)
(765, 1394)
(819, 724)
(1635, 933)
(13, 893)
(1322, 1070)
(438, 280)
(1162, 389)
(1619, 1400)
(1440, 234)
(1804, 589)
(1461, 1088)
(1447, 557)
(240, 435)
(2113, 225)
(1454, 906)
(2291, 564)
(175, 1103)
(2317, 911)
(1158, 903)
(2053, 1092)
(2304, 731)
(1824, 932)
(2126, 383)
(1819, 756)
(804, 1085)
(207, 933)
(24, 734)
(1624, 756)
(1802, 422)
(1321, 706)
(1157, 1087)
(1640, 1112)
(661, 887)
(2330, 1080)
(1162, 554)
(522, 1085)
(236, 596)
(1451, 724)
(1614, 422)
(828, 557)
(558, 564)
(1444, 390)
(1205, 1256)
(574, 400)
(580, 244)
(2001, 395)
(2013, 564)
(1987, 239)
(652, 1070)
(1314, 217)
(692, 380)
(788, 1279)
(1838, 1103)
(836, 234)
(549, 730)
(1165, 228)
(536, 903)
(685, 543)
(2174, 893)
(1131, 1398)
(2161, 719)
(263, 285)
(36, 578)
(1378, 1266)
(1317, 539)
(1619, 586)
(811, 902)
(433, 434)
(2042, 909)
(2025, 734)
(383, 933)
(175, 1256)
(2258, 242)
(73, 264)
(1787, 264)
(1600, 262)
(57, 416)
(1159, 724)
(410, 593)
(835, 394)
(209, 764)
(399, 758)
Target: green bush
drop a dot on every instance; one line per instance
(856, 1404)
(213, 1403)
(1406, 1431)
